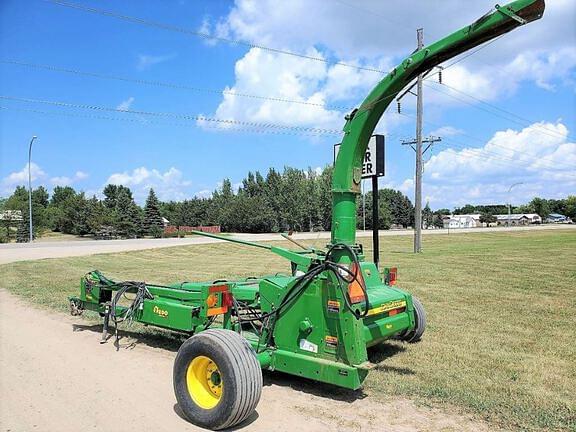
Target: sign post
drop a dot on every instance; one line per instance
(373, 167)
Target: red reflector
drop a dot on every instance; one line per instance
(217, 288)
(393, 312)
(392, 276)
(227, 299)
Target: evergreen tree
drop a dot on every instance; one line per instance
(401, 209)
(272, 193)
(223, 200)
(79, 213)
(23, 232)
(325, 197)
(384, 214)
(153, 223)
(127, 221)
(427, 216)
(437, 221)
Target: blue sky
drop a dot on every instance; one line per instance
(525, 134)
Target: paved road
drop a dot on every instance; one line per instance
(57, 249)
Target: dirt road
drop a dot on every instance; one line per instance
(55, 376)
(58, 249)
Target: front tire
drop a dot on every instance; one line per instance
(217, 379)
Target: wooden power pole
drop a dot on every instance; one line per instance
(419, 152)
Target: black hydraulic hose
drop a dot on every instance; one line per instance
(327, 265)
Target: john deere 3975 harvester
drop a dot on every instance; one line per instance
(317, 320)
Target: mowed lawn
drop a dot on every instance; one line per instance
(501, 338)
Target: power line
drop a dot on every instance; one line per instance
(471, 53)
(531, 155)
(205, 35)
(175, 115)
(474, 152)
(543, 131)
(247, 95)
(456, 61)
(164, 123)
(496, 158)
(528, 122)
(166, 84)
(478, 153)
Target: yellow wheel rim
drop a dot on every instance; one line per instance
(204, 382)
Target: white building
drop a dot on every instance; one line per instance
(11, 215)
(462, 221)
(519, 219)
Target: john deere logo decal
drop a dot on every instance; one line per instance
(160, 312)
(387, 307)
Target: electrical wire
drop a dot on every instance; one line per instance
(524, 121)
(533, 157)
(539, 129)
(466, 151)
(456, 61)
(204, 35)
(173, 115)
(145, 122)
(166, 84)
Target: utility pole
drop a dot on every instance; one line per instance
(418, 183)
(418, 149)
(418, 192)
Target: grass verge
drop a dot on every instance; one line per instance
(501, 310)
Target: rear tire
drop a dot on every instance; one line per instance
(217, 379)
(420, 317)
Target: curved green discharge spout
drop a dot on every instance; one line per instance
(360, 123)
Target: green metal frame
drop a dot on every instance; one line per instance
(316, 335)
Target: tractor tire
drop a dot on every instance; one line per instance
(420, 316)
(217, 379)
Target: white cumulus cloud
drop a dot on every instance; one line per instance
(371, 34)
(541, 156)
(68, 181)
(21, 177)
(39, 176)
(168, 185)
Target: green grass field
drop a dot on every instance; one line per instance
(501, 310)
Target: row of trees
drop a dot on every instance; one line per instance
(70, 212)
(293, 199)
(542, 207)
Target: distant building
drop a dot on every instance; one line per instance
(518, 219)
(558, 218)
(461, 221)
(11, 215)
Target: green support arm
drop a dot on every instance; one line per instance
(360, 123)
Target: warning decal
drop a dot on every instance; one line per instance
(331, 342)
(333, 306)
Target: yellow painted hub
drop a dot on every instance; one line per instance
(204, 382)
